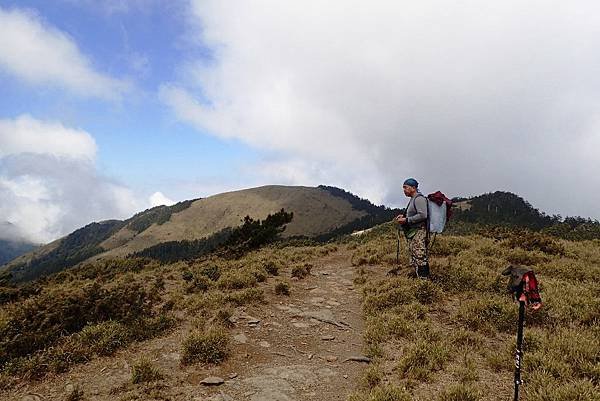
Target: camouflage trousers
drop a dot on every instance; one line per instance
(417, 247)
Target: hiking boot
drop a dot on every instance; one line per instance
(423, 271)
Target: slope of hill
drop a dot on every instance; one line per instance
(12, 249)
(309, 322)
(510, 210)
(317, 212)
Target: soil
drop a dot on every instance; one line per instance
(292, 347)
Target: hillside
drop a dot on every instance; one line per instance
(323, 322)
(318, 213)
(505, 209)
(12, 249)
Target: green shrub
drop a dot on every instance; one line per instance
(206, 347)
(271, 267)
(143, 372)
(282, 288)
(567, 353)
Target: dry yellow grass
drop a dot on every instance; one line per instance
(453, 338)
(315, 210)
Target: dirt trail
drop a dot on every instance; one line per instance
(291, 348)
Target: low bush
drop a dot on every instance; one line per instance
(301, 271)
(40, 321)
(422, 358)
(271, 267)
(282, 288)
(211, 346)
(372, 376)
(449, 246)
(236, 280)
(246, 296)
(104, 338)
(532, 241)
(144, 372)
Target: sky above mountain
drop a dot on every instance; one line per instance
(111, 106)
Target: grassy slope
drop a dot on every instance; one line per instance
(448, 339)
(452, 338)
(315, 212)
(12, 249)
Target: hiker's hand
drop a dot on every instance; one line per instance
(401, 219)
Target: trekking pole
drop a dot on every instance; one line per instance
(397, 248)
(519, 352)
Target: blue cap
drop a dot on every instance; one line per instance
(412, 182)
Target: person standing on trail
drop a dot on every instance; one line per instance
(414, 225)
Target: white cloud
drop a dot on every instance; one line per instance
(49, 185)
(40, 54)
(28, 135)
(470, 98)
(159, 199)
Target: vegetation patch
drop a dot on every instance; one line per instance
(282, 288)
(301, 271)
(211, 346)
(460, 392)
(422, 358)
(144, 372)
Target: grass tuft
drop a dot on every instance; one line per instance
(282, 288)
(211, 346)
(144, 372)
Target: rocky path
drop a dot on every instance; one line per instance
(305, 346)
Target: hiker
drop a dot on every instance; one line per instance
(414, 225)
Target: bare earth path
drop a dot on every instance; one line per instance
(291, 348)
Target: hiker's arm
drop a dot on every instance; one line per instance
(421, 215)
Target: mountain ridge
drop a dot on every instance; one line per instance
(321, 213)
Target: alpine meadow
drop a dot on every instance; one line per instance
(278, 200)
(271, 316)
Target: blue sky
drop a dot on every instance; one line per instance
(139, 141)
(111, 106)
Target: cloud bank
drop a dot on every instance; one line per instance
(49, 185)
(475, 97)
(39, 54)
